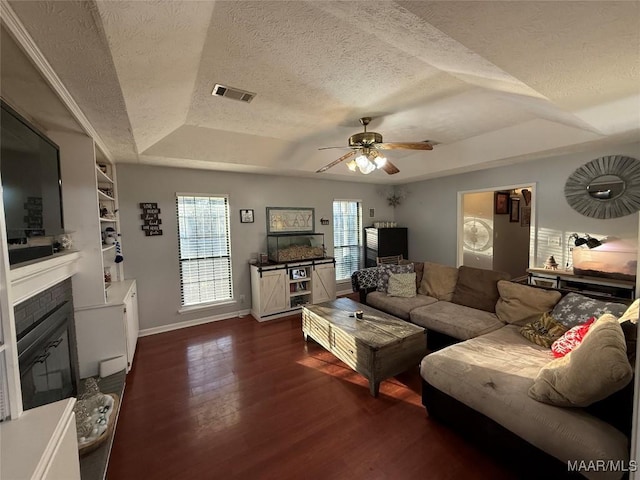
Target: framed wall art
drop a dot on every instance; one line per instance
(514, 210)
(290, 220)
(246, 216)
(501, 203)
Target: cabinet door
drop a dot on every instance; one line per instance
(131, 324)
(273, 292)
(323, 283)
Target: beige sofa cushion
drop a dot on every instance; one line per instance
(478, 288)
(521, 304)
(438, 281)
(595, 369)
(398, 306)
(492, 374)
(457, 321)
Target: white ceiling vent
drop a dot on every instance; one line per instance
(232, 93)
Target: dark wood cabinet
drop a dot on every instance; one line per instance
(384, 242)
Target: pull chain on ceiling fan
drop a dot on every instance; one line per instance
(366, 156)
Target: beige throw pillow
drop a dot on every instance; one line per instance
(595, 369)
(402, 285)
(631, 313)
(438, 281)
(520, 304)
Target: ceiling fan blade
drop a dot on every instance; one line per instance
(404, 146)
(390, 168)
(344, 147)
(335, 162)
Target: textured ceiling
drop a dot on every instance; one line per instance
(493, 82)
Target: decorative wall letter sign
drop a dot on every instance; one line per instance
(150, 219)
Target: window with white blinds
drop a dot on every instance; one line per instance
(347, 237)
(204, 248)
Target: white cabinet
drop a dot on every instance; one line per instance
(131, 323)
(41, 444)
(323, 283)
(281, 289)
(268, 289)
(108, 331)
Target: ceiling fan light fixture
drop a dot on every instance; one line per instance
(370, 167)
(362, 161)
(380, 161)
(365, 165)
(352, 165)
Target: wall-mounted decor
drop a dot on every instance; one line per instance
(290, 220)
(150, 219)
(372, 212)
(246, 216)
(514, 209)
(501, 203)
(324, 221)
(525, 217)
(607, 187)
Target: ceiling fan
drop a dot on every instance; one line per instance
(365, 152)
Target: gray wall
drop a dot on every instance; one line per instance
(153, 261)
(430, 208)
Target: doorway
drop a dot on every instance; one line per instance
(496, 229)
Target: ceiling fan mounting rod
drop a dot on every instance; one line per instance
(364, 121)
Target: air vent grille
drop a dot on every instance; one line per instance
(232, 93)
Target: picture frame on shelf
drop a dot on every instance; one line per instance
(514, 210)
(246, 215)
(290, 220)
(501, 203)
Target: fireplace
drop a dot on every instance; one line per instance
(44, 327)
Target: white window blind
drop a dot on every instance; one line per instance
(204, 248)
(347, 237)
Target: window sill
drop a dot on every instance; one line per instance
(206, 306)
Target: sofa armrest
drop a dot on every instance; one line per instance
(364, 292)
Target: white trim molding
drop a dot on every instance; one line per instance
(192, 323)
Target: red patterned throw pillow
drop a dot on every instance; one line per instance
(571, 339)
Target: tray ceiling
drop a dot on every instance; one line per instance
(492, 82)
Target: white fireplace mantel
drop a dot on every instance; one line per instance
(31, 278)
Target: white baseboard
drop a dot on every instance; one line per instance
(349, 291)
(192, 323)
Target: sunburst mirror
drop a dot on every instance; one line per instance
(607, 187)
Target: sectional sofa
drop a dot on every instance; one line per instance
(479, 383)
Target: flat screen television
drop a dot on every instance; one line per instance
(31, 186)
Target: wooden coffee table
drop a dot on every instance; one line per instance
(378, 347)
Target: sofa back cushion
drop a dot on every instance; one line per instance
(520, 304)
(478, 288)
(438, 281)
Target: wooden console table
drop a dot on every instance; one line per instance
(567, 280)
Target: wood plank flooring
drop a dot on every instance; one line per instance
(239, 399)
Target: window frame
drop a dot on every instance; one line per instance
(184, 307)
(359, 237)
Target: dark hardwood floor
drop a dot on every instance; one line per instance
(249, 400)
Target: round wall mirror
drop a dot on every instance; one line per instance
(607, 187)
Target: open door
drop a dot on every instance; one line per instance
(495, 229)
